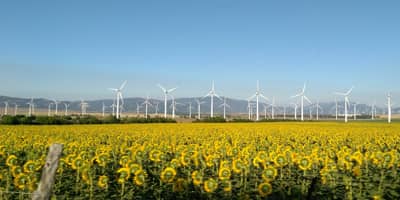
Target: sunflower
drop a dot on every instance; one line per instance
(16, 170)
(269, 173)
(22, 181)
(305, 163)
(124, 160)
(29, 166)
(140, 177)
(154, 155)
(11, 160)
(168, 175)
(262, 156)
(103, 182)
(264, 189)
(280, 160)
(175, 163)
(238, 166)
(134, 167)
(78, 163)
(102, 159)
(224, 173)
(197, 178)
(124, 174)
(210, 185)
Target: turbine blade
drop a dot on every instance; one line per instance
(351, 89)
(162, 88)
(264, 97)
(123, 85)
(306, 98)
(217, 96)
(171, 90)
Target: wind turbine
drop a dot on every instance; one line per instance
(56, 104)
(284, 112)
(199, 108)
(272, 108)
(113, 107)
(249, 108)
(389, 104)
(372, 111)
(318, 107)
(265, 111)
(15, 109)
(302, 96)
(212, 94)
(83, 105)
(257, 95)
(146, 103)
(166, 93)
(173, 106)
(138, 108)
(156, 108)
(5, 108)
(346, 102)
(103, 108)
(336, 108)
(31, 105)
(66, 109)
(355, 111)
(295, 110)
(190, 110)
(224, 105)
(119, 98)
(49, 109)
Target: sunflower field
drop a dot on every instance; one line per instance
(206, 161)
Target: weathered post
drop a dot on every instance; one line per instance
(43, 191)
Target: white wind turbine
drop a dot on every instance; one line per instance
(257, 95)
(113, 107)
(265, 110)
(66, 109)
(56, 104)
(318, 107)
(372, 111)
(15, 109)
(156, 108)
(295, 110)
(212, 94)
(5, 108)
(389, 104)
(146, 103)
(119, 98)
(346, 102)
(84, 106)
(190, 110)
(224, 105)
(284, 112)
(336, 102)
(302, 97)
(138, 109)
(49, 109)
(103, 109)
(166, 93)
(355, 111)
(199, 108)
(173, 106)
(272, 105)
(31, 106)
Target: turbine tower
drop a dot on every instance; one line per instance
(83, 105)
(156, 108)
(318, 107)
(302, 97)
(146, 103)
(113, 107)
(138, 109)
(336, 108)
(199, 108)
(257, 95)
(173, 106)
(66, 109)
(49, 109)
(355, 111)
(346, 102)
(103, 109)
(119, 98)
(166, 93)
(224, 105)
(190, 110)
(212, 94)
(31, 105)
(56, 104)
(15, 109)
(272, 108)
(389, 104)
(5, 108)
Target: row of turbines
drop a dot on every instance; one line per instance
(118, 102)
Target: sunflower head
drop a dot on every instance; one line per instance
(140, 177)
(103, 182)
(124, 173)
(197, 178)
(264, 189)
(210, 185)
(224, 173)
(269, 173)
(168, 175)
(29, 167)
(22, 181)
(11, 160)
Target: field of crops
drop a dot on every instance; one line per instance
(206, 161)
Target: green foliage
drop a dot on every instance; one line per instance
(212, 120)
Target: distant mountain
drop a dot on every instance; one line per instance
(130, 105)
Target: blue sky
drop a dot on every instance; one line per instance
(73, 49)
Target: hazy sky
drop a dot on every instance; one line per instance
(72, 49)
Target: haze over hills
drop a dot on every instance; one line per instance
(237, 106)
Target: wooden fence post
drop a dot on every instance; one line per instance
(43, 191)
